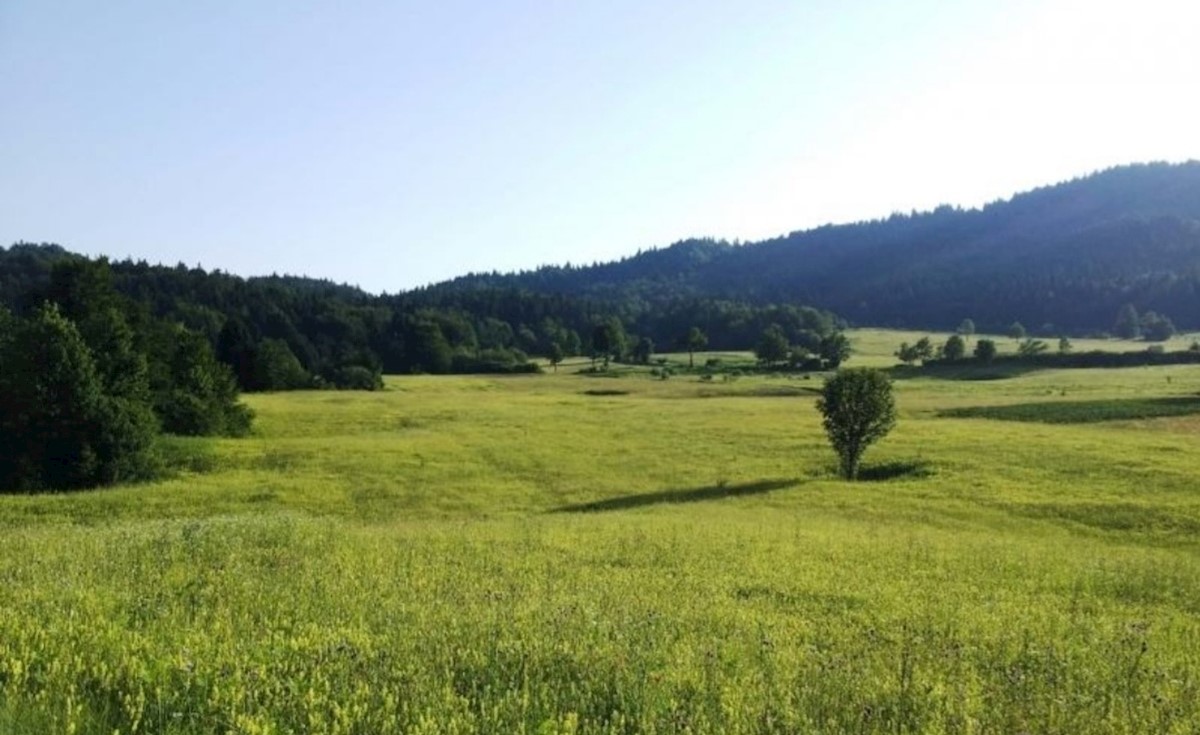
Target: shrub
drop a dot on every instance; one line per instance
(356, 377)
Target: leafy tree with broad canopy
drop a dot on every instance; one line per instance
(922, 350)
(985, 350)
(772, 346)
(859, 410)
(834, 349)
(955, 348)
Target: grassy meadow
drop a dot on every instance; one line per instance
(568, 553)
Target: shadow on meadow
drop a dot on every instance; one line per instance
(963, 370)
(685, 495)
(1083, 412)
(894, 471)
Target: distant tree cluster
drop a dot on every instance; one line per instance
(1149, 326)
(921, 351)
(812, 352)
(88, 381)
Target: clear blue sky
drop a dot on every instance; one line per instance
(391, 144)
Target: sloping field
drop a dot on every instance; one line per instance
(563, 553)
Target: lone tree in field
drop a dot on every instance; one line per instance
(859, 410)
(694, 341)
(555, 356)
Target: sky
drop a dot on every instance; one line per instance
(393, 144)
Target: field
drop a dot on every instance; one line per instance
(565, 553)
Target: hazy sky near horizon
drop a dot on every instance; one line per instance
(393, 144)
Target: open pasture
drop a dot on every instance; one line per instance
(565, 553)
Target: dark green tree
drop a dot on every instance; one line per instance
(643, 351)
(1157, 328)
(1064, 345)
(955, 348)
(236, 348)
(985, 350)
(608, 340)
(59, 428)
(1127, 324)
(921, 350)
(555, 356)
(495, 334)
(572, 345)
(834, 349)
(426, 347)
(276, 367)
(858, 410)
(695, 340)
(1016, 330)
(772, 346)
(966, 328)
(85, 294)
(194, 393)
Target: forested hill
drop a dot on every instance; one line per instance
(1065, 258)
(283, 332)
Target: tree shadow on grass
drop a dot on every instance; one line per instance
(963, 370)
(685, 495)
(894, 470)
(1083, 412)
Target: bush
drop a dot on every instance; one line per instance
(355, 377)
(499, 361)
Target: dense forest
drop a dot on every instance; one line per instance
(284, 332)
(1060, 259)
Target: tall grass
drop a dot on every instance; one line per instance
(518, 555)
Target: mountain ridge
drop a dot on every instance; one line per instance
(1064, 255)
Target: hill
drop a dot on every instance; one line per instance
(1065, 257)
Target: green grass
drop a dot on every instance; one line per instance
(565, 553)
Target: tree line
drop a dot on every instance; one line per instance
(282, 332)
